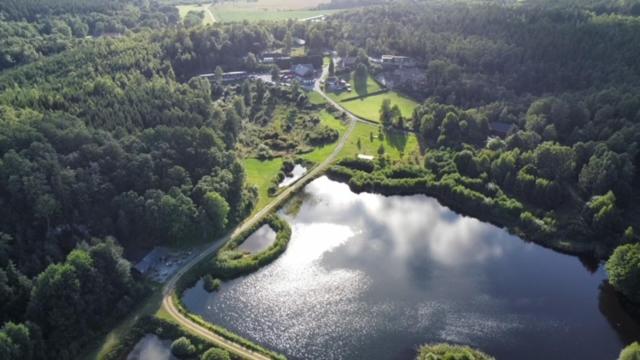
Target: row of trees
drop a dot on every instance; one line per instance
(30, 30)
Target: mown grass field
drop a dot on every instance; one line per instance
(398, 145)
(369, 107)
(260, 174)
(184, 10)
(321, 153)
(372, 86)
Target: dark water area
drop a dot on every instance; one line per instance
(373, 277)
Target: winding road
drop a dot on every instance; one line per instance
(169, 289)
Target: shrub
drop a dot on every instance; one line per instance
(623, 268)
(182, 348)
(216, 354)
(631, 352)
(211, 284)
(450, 352)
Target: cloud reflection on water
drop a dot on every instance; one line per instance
(368, 276)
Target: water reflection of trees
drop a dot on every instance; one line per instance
(622, 316)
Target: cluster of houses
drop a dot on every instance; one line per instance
(335, 84)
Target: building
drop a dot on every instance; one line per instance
(228, 76)
(336, 84)
(151, 260)
(303, 70)
(393, 61)
(501, 129)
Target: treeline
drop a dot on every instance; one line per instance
(481, 52)
(33, 29)
(68, 303)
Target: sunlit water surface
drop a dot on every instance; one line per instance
(372, 277)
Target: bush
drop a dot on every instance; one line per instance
(623, 268)
(631, 352)
(450, 352)
(182, 348)
(216, 354)
(211, 284)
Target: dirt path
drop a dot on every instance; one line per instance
(167, 302)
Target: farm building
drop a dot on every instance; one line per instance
(303, 70)
(393, 61)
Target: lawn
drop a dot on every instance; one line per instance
(208, 16)
(321, 153)
(369, 107)
(260, 174)
(315, 98)
(372, 86)
(395, 143)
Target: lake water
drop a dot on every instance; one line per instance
(151, 347)
(260, 240)
(296, 173)
(373, 277)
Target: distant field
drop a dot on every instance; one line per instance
(369, 107)
(260, 174)
(275, 4)
(226, 13)
(208, 16)
(395, 143)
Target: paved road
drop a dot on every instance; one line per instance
(169, 289)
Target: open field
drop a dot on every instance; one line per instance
(226, 13)
(395, 143)
(208, 16)
(260, 174)
(369, 107)
(275, 4)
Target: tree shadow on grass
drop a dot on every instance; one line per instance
(397, 139)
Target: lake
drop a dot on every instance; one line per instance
(372, 277)
(296, 173)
